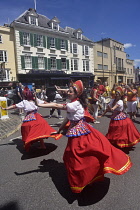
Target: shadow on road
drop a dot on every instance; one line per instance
(90, 195)
(128, 149)
(34, 151)
(11, 205)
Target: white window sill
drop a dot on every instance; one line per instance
(24, 45)
(63, 50)
(51, 48)
(40, 47)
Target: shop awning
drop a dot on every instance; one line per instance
(60, 78)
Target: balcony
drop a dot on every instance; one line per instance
(120, 70)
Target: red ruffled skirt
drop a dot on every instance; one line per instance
(123, 133)
(35, 130)
(88, 157)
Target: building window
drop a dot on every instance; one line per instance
(3, 56)
(85, 65)
(52, 42)
(33, 20)
(79, 36)
(26, 38)
(63, 63)
(100, 67)
(105, 67)
(85, 50)
(28, 62)
(74, 64)
(55, 26)
(53, 63)
(99, 54)
(0, 38)
(41, 64)
(40, 40)
(62, 44)
(73, 48)
(105, 55)
(4, 75)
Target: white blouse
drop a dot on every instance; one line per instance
(120, 103)
(75, 111)
(28, 105)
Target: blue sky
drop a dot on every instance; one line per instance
(116, 19)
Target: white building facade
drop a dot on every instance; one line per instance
(47, 54)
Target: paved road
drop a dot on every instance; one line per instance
(38, 181)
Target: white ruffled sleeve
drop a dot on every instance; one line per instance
(120, 103)
(20, 105)
(72, 107)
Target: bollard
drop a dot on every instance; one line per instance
(3, 113)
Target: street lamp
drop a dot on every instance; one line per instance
(103, 58)
(2, 70)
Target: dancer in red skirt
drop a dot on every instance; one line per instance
(122, 131)
(34, 127)
(88, 154)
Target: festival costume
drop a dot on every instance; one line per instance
(34, 127)
(122, 131)
(89, 154)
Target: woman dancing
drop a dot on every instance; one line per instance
(88, 154)
(34, 127)
(122, 131)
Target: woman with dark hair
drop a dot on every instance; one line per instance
(88, 154)
(122, 131)
(34, 127)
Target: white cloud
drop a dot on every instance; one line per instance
(127, 45)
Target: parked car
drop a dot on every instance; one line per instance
(11, 97)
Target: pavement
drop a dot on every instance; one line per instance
(10, 125)
(13, 123)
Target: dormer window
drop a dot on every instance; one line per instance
(79, 35)
(54, 23)
(55, 26)
(33, 20)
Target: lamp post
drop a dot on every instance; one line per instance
(103, 57)
(2, 70)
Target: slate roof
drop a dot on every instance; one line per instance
(44, 22)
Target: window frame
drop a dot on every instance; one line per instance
(28, 62)
(39, 39)
(73, 64)
(55, 26)
(52, 43)
(85, 66)
(4, 56)
(33, 20)
(5, 75)
(62, 45)
(72, 48)
(53, 65)
(64, 64)
(26, 39)
(85, 50)
(41, 65)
